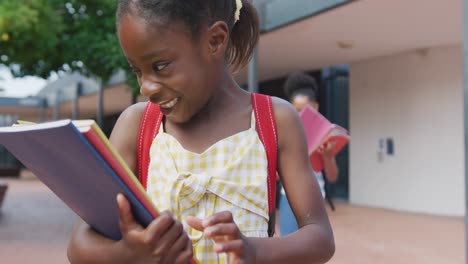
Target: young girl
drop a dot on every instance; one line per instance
(302, 90)
(208, 167)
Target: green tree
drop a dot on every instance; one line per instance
(38, 37)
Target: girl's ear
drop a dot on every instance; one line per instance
(218, 39)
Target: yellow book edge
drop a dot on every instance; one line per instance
(23, 122)
(120, 160)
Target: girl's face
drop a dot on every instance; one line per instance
(173, 70)
(300, 101)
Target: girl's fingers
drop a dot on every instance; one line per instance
(186, 254)
(221, 217)
(127, 222)
(167, 240)
(158, 227)
(231, 246)
(220, 230)
(331, 145)
(195, 223)
(177, 247)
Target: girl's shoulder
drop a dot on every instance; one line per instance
(132, 114)
(284, 111)
(125, 133)
(128, 123)
(286, 118)
(135, 110)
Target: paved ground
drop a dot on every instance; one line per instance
(365, 235)
(35, 227)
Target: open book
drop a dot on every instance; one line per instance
(77, 162)
(319, 131)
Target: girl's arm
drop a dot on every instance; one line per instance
(164, 237)
(313, 242)
(329, 162)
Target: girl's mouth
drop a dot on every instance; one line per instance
(169, 104)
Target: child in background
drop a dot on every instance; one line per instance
(302, 90)
(183, 53)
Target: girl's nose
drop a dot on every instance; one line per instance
(149, 87)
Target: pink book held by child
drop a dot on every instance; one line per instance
(319, 131)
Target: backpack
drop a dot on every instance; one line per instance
(266, 129)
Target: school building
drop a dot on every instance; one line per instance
(390, 71)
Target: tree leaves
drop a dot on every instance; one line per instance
(38, 37)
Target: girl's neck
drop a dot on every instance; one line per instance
(227, 112)
(226, 96)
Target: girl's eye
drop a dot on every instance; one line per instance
(136, 71)
(157, 67)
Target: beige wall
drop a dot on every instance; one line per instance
(416, 99)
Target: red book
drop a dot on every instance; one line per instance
(99, 141)
(320, 131)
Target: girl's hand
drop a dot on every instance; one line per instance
(163, 241)
(327, 149)
(228, 239)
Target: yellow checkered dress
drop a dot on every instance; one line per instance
(230, 175)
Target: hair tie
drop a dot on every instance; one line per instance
(238, 9)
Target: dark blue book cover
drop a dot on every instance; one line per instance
(62, 158)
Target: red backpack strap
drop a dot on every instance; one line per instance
(149, 128)
(266, 129)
